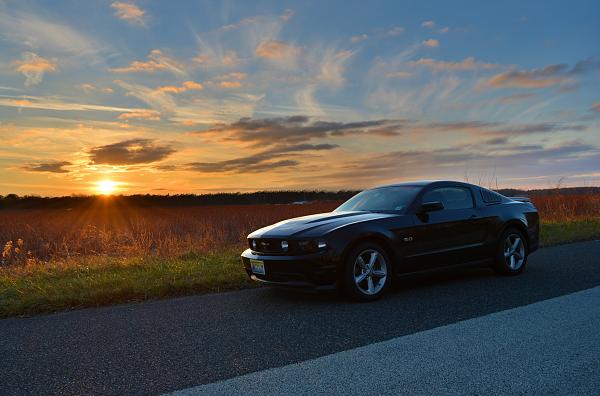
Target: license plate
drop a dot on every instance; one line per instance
(257, 266)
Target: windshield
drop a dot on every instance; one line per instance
(383, 199)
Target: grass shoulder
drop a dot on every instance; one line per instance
(97, 281)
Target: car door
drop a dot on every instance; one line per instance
(448, 236)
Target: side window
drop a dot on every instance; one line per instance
(451, 197)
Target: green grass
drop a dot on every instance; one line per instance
(96, 281)
(100, 281)
(571, 231)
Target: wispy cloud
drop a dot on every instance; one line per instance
(260, 161)
(211, 58)
(395, 31)
(130, 152)
(157, 61)
(48, 167)
(469, 63)
(129, 12)
(52, 103)
(428, 24)
(286, 16)
(551, 75)
(151, 115)
(277, 50)
(92, 88)
(33, 67)
(398, 74)
(333, 66)
(50, 36)
(158, 100)
(359, 38)
(536, 78)
(232, 76)
(297, 129)
(516, 97)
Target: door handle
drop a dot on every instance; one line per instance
(474, 216)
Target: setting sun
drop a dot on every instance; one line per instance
(106, 187)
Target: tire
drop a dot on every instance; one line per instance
(511, 256)
(370, 262)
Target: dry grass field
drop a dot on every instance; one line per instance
(109, 252)
(107, 228)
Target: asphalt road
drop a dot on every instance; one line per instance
(546, 348)
(162, 346)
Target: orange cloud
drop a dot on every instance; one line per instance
(596, 107)
(229, 59)
(129, 12)
(537, 78)
(151, 115)
(157, 62)
(192, 85)
(466, 64)
(33, 68)
(186, 86)
(230, 84)
(431, 43)
(233, 76)
(21, 102)
(274, 49)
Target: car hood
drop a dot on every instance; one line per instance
(315, 225)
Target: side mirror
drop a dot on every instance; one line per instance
(432, 206)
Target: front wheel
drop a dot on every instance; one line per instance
(367, 272)
(511, 256)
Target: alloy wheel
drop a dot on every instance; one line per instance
(370, 271)
(514, 251)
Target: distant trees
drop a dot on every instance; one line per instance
(13, 201)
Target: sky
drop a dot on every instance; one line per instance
(167, 97)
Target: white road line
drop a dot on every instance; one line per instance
(549, 347)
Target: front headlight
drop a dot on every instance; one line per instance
(311, 246)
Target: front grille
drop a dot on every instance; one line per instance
(264, 245)
(273, 246)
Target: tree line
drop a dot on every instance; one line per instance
(14, 201)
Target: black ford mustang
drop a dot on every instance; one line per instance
(391, 231)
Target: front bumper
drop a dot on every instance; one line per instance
(317, 271)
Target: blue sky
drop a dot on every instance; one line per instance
(160, 96)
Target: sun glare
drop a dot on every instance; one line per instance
(106, 187)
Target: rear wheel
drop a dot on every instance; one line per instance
(367, 272)
(511, 256)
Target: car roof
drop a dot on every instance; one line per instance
(427, 183)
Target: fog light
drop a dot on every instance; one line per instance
(284, 245)
(322, 245)
(254, 244)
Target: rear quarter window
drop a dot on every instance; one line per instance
(488, 196)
